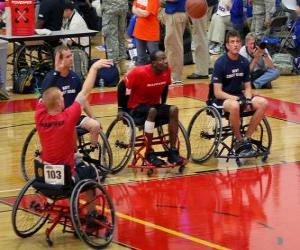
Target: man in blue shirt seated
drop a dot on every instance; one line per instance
(230, 77)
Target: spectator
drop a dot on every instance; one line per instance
(50, 14)
(297, 31)
(262, 70)
(219, 23)
(72, 20)
(146, 30)
(175, 21)
(262, 13)
(114, 14)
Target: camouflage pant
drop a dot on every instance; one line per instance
(113, 31)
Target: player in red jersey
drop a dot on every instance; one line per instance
(56, 125)
(147, 87)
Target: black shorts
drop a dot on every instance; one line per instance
(140, 114)
(84, 171)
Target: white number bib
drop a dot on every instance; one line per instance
(54, 174)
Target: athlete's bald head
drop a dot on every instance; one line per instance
(53, 98)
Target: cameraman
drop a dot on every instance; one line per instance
(262, 70)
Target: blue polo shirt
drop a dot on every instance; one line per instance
(231, 74)
(69, 85)
(173, 7)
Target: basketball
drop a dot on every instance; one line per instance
(196, 8)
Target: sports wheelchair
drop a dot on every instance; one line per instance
(100, 156)
(83, 208)
(124, 142)
(210, 134)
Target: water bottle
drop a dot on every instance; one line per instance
(101, 83)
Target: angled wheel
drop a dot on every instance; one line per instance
(183, 144)
(121, 137)
(100, 156)
(204, 132)
(29, 214)
(31, 149)
(92, 214)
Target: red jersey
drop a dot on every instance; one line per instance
(146, 87)
(57, 134)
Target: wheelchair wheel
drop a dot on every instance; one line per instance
(184, 142)
(28, 214)
(100, 156)
(31, 149)
(204, 132)
(121, 137)
(92, 213)
(38, 58)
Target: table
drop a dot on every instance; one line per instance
(23, 41)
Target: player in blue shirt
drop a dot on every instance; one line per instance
(230, 77)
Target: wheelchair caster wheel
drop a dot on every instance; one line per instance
(150, 172)
(238, 162)
(181, 169)
(50, 242)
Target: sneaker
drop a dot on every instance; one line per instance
(154, 160)
(177, 82)
(268, 85)
(197, 76)
(243, 148)
(216, 50)
(174, 157)
(3, 94)
(212, 45)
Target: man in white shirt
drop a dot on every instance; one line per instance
(74, 21)
(262, 69)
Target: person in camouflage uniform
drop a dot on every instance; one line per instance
(114, 14)
(263, 11)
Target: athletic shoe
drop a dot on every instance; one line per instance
(154, 160)
(197, 76)
(177, 82)
(243, 148)
(3, 94)
(216, 50)
(174, 157)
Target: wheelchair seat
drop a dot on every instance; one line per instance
(53, 181)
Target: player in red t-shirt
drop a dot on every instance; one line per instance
(55, 124)
(147, 87)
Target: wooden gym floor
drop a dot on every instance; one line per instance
(211, 206)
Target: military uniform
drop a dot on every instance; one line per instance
(263, 11)
(114, 14)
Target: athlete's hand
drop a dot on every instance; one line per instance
(102, 63)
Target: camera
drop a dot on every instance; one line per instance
(261, 45)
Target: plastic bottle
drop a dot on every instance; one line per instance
(101, 83)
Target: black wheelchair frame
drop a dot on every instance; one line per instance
(206, 126)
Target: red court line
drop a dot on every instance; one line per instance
(277, 109)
